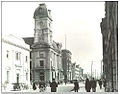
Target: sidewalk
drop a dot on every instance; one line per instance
(63, 88)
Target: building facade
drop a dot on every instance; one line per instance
(46, 53)
(15, 62)
(109, 30)
(67, 65)
(77, 72)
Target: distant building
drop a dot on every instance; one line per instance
(67, 64)
(15, 62)
(73, 68)
(46, 59)
(109, 29)
(77, 72)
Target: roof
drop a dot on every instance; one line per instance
(15, 40)
(29, 40)
(41, 12)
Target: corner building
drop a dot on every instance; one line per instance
(46, 53)
(15, 62)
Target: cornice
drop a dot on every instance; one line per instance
(11, 43)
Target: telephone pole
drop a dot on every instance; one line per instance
(65, 41)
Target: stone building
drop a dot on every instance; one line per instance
(109, 30)
(67, 64)
(46, 53)
(15, 62)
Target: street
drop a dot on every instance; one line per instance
(63, 88)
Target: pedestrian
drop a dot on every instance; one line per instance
(100, 83)
(34, 86)
(104, 84)
(76, 86)
(87, 85)
(53, 86)
(93, 85)
(42, 86)
(65, 80)
(49, 83)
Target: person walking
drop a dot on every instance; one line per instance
(42, 86)
(87, 85)
(100, 83)
(53, 85)
(34, 86)
(93, 85)
(104, 84)
(76, 86)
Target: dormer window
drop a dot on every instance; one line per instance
(41, 63)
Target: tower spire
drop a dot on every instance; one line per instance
(65, 41)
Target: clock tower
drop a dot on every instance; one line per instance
(43, 19)
(46, 53)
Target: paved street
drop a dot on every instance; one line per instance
(64, 88)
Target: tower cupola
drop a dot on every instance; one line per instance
(43, 21)
(42, 11)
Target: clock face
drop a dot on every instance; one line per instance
(41, 24)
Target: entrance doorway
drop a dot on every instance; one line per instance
(18, 78)
(42, 76)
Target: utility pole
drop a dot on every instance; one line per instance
(101, 68)
(65, 41)
(95, 73)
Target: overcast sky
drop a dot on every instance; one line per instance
(80, 21)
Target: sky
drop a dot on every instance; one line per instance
(79, 21)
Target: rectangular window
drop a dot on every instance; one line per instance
(41, 54)
(26, 59)
(42, 73)
(8, 76)
(41, 63)
(7, 55)
(49, 25)
(26, 76)
(42, 76)
(17, 55)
